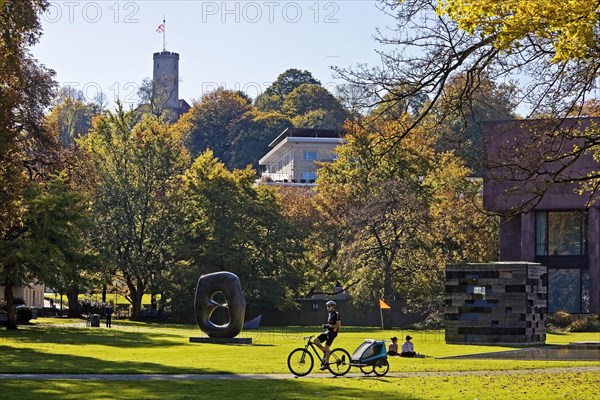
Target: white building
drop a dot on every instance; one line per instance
(33, 294)
(295, 153)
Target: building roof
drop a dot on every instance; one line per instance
(300, 135)
(307, 133)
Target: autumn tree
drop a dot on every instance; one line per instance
(547, 50)
(321, 235)
(53, 247)
(154, 95)
(389, 198)
(232, 225)
(71, 116)
(27, 152)
(312, 106)
(273, 97)
(461, 131)
(302, 98)
(136, 164)
(251, 135)
(210, 122)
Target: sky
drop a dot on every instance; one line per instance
(108, 45)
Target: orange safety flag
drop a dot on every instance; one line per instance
(383, 305)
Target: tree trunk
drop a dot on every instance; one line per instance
(136, 294)
(72, 297)
(136, 307)
(388, 294)
(10, 304)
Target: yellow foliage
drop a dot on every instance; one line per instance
(568, 24)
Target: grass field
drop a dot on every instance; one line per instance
(68, 346)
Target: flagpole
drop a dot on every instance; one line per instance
(382, 305)
(164, 34)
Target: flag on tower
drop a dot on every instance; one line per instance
(161, 28)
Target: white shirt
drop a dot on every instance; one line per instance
(408, 347)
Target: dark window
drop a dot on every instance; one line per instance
(585, 291)
(563, 286)
(561, 233)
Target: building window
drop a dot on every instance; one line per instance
(309, 176)
(564, 290)
(310, 156)
(561, 233)
(585, 291)
(334, 156)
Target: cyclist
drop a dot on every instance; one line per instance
(333, 326)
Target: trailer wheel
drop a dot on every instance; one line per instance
(367, 369)
(381, 368)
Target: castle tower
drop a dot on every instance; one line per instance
(165, 79)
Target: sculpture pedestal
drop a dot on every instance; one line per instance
(221, 340)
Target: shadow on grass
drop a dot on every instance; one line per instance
(118, 336)
(290, 389)
(36, 362)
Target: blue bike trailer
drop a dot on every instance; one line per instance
(369, 352)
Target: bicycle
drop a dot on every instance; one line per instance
(301, 361)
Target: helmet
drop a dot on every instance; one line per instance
(330, 303)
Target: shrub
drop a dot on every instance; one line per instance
(561, 319)
(88, 307)
(585, 324)
(18, 301)
(433, 321)
(24, 315)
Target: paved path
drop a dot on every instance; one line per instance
(197, 377)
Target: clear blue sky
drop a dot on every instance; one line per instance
(243, 45)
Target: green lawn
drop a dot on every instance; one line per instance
(67, 346)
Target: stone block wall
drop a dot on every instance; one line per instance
(500, 302)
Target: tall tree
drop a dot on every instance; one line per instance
(71, 117)
(232, 225)
(463, 115)
(53, 246)
(273, 97)
(389, 200)
(312, 106)
(251, 135)
(548, 49)
(210, 122)
(26, 150)
(154, 96)
(137, 165)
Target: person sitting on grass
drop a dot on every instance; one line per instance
(393, 347)
(408, 348)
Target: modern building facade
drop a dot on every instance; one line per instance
(295, 153)
(554, 224)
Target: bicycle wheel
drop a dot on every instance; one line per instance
(367, 369)
(339, 362)
(381, 367)
(300, 362)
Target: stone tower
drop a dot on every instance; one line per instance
(165, 79)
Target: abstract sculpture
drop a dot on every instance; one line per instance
(223, 284)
